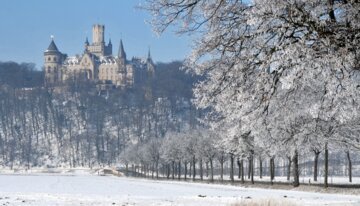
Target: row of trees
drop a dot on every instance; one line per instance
(197, 153)
(281, 77)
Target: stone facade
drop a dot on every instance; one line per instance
(97, 63)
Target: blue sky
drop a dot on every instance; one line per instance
(26, 27)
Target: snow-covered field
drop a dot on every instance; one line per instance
(90, 189)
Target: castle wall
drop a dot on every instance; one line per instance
(129, 74)
(97, 50)
(109, 71)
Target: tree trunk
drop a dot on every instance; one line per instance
(222, 170)
(173, 169)
(242, 171)
(289, 168)
(326, 172)
(190, 169)
(185, 172)
(272, 170)
(146, 169)
(249, 167)
(179, 170)
(238, 163)
(194, 168)
(142, 169)
(349, 165)
(168, 171)
(126, 169)
(252, 168)
(201, 169)
(296, 169)
(261, 168)
(157, 169)
(211, 170)
(232, 167)
(152, 171)
(207, 169)
(316, 161)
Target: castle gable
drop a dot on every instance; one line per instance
(87, 61)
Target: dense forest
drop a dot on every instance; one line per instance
(79, 125)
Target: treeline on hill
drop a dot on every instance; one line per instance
(79, 125)
(20, 75)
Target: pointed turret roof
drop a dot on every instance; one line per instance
(121, 53)
(52, 46)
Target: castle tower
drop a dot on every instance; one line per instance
(98, 34)
(98, 47)
(52, 63)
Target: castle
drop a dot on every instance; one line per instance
(97, 63)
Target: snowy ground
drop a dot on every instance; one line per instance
(89, 189)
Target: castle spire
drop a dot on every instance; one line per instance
(150, 64)
(121, 53)
(86, 45)
(87, 42)
(149, 59)
(149, 55)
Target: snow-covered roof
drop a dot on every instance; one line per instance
(107, 60)
(73, 60)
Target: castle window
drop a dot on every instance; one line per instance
(54, 59)
(49, 69)
(49, 59)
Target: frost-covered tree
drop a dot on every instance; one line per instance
(153, 151)
(207, 149)
(287, 71)
(172, 153)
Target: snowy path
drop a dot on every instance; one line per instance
(107, 190)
